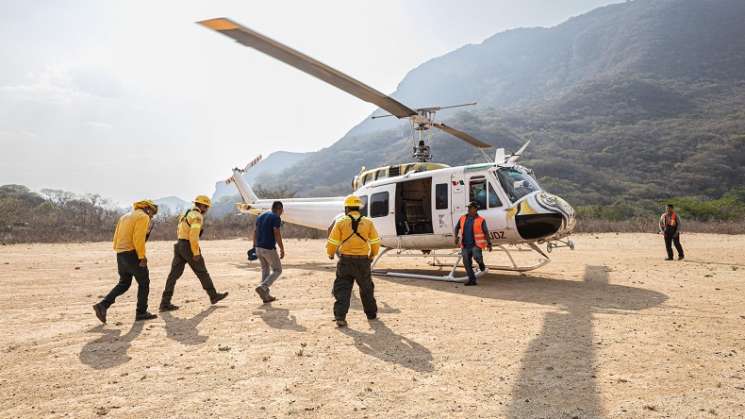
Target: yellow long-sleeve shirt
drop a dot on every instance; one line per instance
(189, 227)
(131, 232)
(342, 237)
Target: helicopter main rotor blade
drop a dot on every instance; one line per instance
(307, 64)
(462, 135)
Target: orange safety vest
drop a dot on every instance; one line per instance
(478, 231)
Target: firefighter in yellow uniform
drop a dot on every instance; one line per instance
(357, 241)
(187, 251)
(130, 236)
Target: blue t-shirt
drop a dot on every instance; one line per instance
(265, 225)
(468, 239)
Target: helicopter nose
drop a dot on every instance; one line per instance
(544, 215)
(558, 205)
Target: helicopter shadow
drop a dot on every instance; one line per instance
(386, 345)
(185, 330)
(110, 349)
(557, 376)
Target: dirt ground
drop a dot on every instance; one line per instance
(608, 330)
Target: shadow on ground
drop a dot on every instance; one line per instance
(386, 345)
(545, 388)
(184, 330)
(279, 318)
(110, 349)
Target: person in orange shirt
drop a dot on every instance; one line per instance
(130, 237)
(670, 228)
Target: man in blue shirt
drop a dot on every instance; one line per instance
(267, 237)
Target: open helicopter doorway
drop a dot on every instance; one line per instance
(414, 207)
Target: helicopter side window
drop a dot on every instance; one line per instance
(441, 196)
(494, 201)
(379, 204)
(380, 174)
(516, 183)
(477, 188)
(366, 178)
(363, 208)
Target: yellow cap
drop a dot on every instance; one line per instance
(352, 201)
(146, 203)
(203, 199)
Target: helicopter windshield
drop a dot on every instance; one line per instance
(516, 183)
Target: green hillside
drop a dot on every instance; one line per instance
(643, 100)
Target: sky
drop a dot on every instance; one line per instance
(133, 100)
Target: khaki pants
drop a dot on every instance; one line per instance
(271, 266)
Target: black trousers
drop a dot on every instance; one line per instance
(349, 270)
(671, 239)
(182, 256)
(128, 265)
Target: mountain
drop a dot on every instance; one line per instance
(274, 164)
(172, 205)
(637, 101)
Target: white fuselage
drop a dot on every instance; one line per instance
(420, 210)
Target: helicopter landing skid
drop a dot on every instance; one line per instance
(450, 277)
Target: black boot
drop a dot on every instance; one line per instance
(145, 316)
(217, 297)
(100, 311)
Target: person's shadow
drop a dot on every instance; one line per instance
(110, 349)
(383, 307)
(386, 345)
(185, 330)
(279, 318)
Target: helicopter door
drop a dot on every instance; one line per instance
(442, 218)
(382, 210)
(458, 197)
(414, 207)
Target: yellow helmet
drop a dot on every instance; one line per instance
(146, 203)
(353, 201)
(203, 199)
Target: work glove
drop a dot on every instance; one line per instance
(143, 263)
(197, 258)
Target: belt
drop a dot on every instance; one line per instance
(354, 257)
(183, 240)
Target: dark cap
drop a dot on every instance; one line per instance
(474, 204)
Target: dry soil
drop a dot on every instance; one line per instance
(608, 330)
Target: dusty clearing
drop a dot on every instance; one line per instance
(609, 330)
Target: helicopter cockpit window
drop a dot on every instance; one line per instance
(494, 201)
(379, 204)
(477, 191)
(516, 183)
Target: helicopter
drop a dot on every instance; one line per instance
(416, 205)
